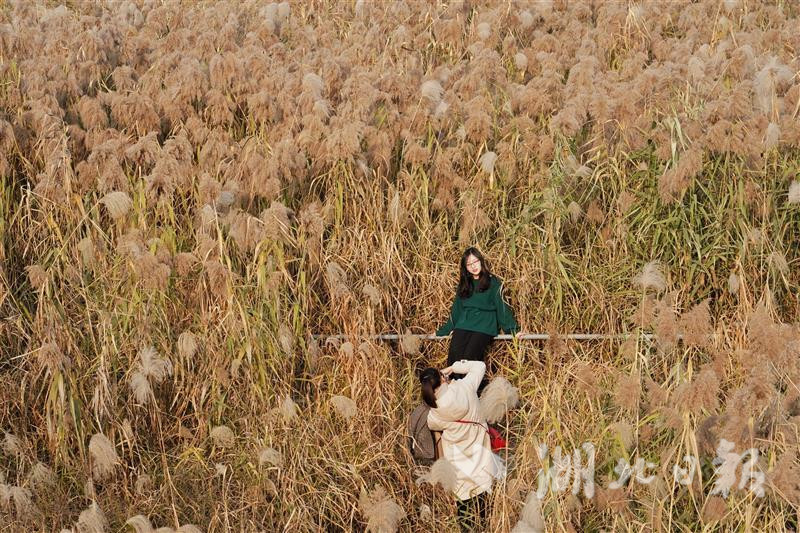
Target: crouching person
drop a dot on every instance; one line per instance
(465, 438)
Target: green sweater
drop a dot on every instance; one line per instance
(484, 312)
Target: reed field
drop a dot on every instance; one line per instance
(190, 190)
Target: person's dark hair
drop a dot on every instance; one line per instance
(465, 278)
(430, 378)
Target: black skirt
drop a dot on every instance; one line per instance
(470, 345)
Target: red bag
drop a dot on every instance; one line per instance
(495, 438)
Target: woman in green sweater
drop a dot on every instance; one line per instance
(478, 311)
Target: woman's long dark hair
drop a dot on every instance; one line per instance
(465, 278)
(430, 380)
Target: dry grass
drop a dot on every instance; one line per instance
(186, 191)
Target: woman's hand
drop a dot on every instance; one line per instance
(519, 334)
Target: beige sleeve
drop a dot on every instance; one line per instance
(474, 371)
(434, 422)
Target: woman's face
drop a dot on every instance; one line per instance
(473, 265)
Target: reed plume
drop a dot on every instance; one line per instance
(531, 518)
(383, 514)
(222, 436)
(118, 204)
(498, 398)
(344, 406)
(270, 456)
(104, 456)
(441, 472)
(627, 392)
(651, 277)
(92, 520)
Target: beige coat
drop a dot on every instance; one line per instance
(466, 446)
